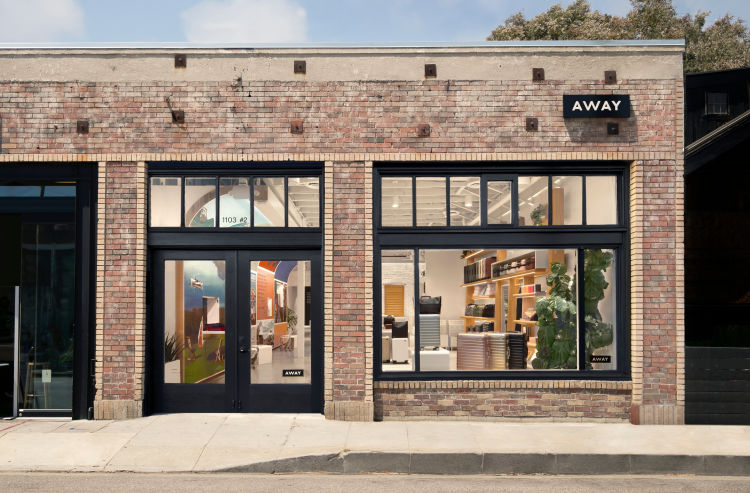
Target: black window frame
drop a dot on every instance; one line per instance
(578, 237)
(249, 170)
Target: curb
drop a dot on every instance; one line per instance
(500, 463)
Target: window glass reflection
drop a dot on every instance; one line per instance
(304, 202)
(194, 318)
(268, 196)
(280, 328)
(465, 200)
(396, 201)
(165, 201)
(601, 200)
(532, 201)
(567, 200)
(234, 202)
(599, 315)
(397, 343)
(499, 202)
(431, 201)
(200, 202)
(480, 309)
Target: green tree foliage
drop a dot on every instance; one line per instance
(723, 45)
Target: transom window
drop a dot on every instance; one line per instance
(190, 201)
(498, 200)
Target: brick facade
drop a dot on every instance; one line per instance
(348, 125)
(120, 293)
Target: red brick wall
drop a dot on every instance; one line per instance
(659, 348)
(472, 400)
(120, 330)
(465, 116)
(349, 282)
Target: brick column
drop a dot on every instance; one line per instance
(657, 287)
(348, 266)
(120, 290)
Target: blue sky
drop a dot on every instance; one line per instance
(293, 21)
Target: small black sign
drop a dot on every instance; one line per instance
(601, 359)
(292, 373)
(596, 106)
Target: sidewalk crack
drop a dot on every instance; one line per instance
(203, 449)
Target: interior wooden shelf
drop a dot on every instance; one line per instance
(483, 297)
(491, 319)
(529, 272)
(477, 253)
(475, 283)
(537, 294)
(527, 322)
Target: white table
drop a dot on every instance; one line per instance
(264, 353)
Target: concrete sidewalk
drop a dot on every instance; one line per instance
(307, 443)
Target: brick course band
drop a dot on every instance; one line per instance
(466, 402)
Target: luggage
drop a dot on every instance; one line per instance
(400, 329)
(400, 350)
(498, 351)
(517, 351)
(429, 330)
(430, 304)
(386, 349)
(473, 352)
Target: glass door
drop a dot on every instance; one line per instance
(236, 331)
(194, 331)
(282, 326)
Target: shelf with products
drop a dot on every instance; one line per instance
(513, 306)
(477, 253)
(477, 283)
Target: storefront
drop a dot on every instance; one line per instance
(45, 292)
(488, 231)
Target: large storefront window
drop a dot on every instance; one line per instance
(543, 300)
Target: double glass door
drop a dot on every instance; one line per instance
(236, 331)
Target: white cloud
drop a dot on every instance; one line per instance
(37, 21)
(245, 21)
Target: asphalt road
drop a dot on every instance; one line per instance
(332, 483)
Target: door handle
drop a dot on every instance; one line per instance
(243, 349)
(243, 345)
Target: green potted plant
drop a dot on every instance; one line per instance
(556, 327)
(556, 335)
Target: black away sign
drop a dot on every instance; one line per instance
(292, 373)
(596, 106)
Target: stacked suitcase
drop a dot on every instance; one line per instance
(473, 352)
(429, 330)
(498, 344)
(516, 351)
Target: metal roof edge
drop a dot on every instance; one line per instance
(671, 43)
(711, 137)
